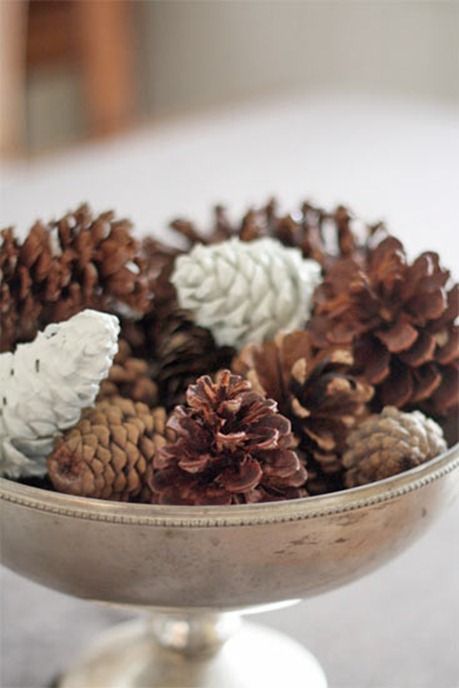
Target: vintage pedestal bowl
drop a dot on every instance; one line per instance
(197, 568)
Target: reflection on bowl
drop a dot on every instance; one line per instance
(218, 557)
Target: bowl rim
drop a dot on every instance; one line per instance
(175, 516)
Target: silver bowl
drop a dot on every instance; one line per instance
(197, 568)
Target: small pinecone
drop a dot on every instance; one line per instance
(390, 443)
(317, 391)
(320, 235)
(107, 453)
(80, 261)
(400, 318)
(129, 377)
(232, 447)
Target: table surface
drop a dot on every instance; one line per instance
(399, 161)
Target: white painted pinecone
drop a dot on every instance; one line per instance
(246, 291)
(45, 384)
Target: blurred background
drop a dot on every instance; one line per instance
(73, 69)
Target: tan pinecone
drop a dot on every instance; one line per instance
(317, 391)
(106, 455)
(319, 234)
(400, 319)
(80, 261)
(390, 443)
(232, 447)
(129, 377)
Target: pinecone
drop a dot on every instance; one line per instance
(320, 235)
(129, 377)
(183, 352)
(232, 447)
(159, 265)
(78, 262)
(245, 292)
(317, 391)
(400, 319)
(175, 350)
(107, 453)
(390, 443)
(46, 383)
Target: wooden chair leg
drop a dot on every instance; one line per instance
(13, 22)
(107, 56)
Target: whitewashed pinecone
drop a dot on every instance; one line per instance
(246, 291)
(46, 383)
(389, 443)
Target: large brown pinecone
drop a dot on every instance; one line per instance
(129, 377)
(400, 318)
(106, 455)
(317, 391)
(232, 447)
(318, 234)
(80, 261)
(389, 443)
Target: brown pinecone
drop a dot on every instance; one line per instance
(317, 391)
(159, 265)
(176, 351)
(80, 261)
(390, 443)
(183, 352)
(400, 318)
(129, 377)
(320, 235)
(232, 447)
(107, 453)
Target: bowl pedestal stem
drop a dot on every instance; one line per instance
(195, 650)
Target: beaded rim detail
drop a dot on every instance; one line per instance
(236, 515)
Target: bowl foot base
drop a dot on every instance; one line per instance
(254, 657)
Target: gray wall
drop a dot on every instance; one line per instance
(198, 54)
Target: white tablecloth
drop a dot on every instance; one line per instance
(398, 161)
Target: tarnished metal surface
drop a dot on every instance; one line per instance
(255, 657)
(192, 563)
(218, 557)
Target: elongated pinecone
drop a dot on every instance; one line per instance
(129, 377)
(400, 318)
(245, 292)
(232, 447)
(390, 443)
(80, 261)
(319, 234)
(317, 391)
(106, 455)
